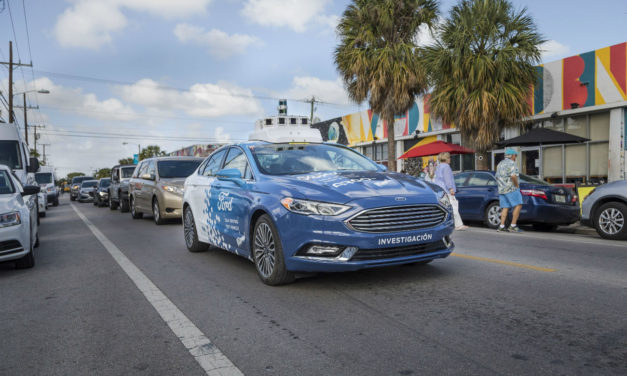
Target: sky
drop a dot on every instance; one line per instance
(178, 73)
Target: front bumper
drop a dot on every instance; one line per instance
(85, 196)
(171, 205)
(12, 245)
(299, 232)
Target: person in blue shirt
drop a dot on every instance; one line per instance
(509, 191)
(444, 178)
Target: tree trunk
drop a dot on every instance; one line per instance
(482, 160)
(391, 145)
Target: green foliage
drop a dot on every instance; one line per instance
(482, 68)
(379, 59)
(151, 151)
(126, 161)
(103, 173)
(71, 175)
(34, 153)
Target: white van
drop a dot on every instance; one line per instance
(47, 180)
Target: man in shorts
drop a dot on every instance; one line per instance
(509, 191)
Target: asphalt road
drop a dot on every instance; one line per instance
(502, 304)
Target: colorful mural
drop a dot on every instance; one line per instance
(588, 79)
(195, 151)
(367, 126)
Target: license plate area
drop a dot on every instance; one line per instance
(560, 199)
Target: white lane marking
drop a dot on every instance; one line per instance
(206, 353)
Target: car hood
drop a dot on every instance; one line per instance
(343, 187)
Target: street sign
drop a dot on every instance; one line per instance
(135, 158)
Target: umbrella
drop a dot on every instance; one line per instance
(434, 148)
(542, 136)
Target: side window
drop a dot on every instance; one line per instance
(460, 179)
(202, 166)
(237, 159)
(150, 170)
(214, 163)
(114, 174)
(141, 169)
(481, 180)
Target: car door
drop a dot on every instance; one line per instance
(460, 183)
(232, 200)
(149, 179)
(136, 184)
(480, 189)
(200, 200)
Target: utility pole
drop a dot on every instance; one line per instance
(11, 65)
(312, 101)
(35, 136)
(25, 120)
(44, 145)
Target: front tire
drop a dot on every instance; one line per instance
(268, 254)
(124, 204)
(610, 221)
(156, 212)
(112, 204)
(28, 261)
(190, 234)
(134, 213)
(492, 215)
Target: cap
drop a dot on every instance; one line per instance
(511, 152)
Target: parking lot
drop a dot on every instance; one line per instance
(531, 303)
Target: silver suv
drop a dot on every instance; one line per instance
(605, 209)
(118, 190)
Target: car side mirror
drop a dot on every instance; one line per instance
(148, 176)
(230, 174)
(381, 167)
(30, 190)
(33, 165)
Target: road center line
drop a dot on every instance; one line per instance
(508, 263)
(210, 358)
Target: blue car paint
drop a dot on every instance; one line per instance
(474, 200)
(230, 208)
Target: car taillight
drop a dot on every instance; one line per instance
(534, 193)
(575, 198)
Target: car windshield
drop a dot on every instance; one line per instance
(6, 186)
(288, 159)
(127, 172)
(531, 180)
(89, 184)
(104, 183)
(177, 168)
(10, 154)
(43, 177)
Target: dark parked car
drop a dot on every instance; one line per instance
(101, 198)
(544, 206)
(75, 187)
(605, 209)
(118, 190)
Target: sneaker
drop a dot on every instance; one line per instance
(501, 229)
(514, 229)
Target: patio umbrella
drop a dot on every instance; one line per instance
(434, 148)
(542, 136)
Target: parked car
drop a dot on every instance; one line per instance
(156, 186)
(605, 209)
(544, 206)
(312, 207)
(75, 187)
(118, 190)
(101, 195)
(18, 220)
(87, 191)
(46, 179)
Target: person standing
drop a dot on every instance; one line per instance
(444, 178)
(509, 190)
(430, 171)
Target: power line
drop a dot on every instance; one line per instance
(143, 137)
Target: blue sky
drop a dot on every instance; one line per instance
(192, 71)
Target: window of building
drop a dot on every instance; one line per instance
(556, 125)
(600, 126)
(575, 163)
(577, 126)
(552, 164)
(598, 162)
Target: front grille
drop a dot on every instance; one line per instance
(405, 251)
(398, 218)
(10, 246)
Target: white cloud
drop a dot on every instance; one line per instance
(202, 100)
(325, 90)
(553, 49)
(91, 23)
(295, 14)
(220, 44)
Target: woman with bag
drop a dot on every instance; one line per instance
(444, 178)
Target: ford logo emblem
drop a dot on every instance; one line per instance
(400, 198)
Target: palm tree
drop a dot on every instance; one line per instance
(379, 59)
(482, 69)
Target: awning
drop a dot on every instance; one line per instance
(434, 148)
(542, 136)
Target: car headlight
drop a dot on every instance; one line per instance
(102, 193)
(10, 219)
(307, 207)
(444, 201)
(50, 189)
(173, 189)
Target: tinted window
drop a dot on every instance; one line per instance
(150, 170)
(79, 179)
(104, 183)
(127, 172)
(43, 177)
(529, 180)
(481, 179)
(237, 159)
(6, 186)
(10, 154)
(285, 159)
(460, 179)
(177, 168)
(214, 163)
(115, 173)
(89, 183)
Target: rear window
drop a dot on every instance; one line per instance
(79, 179)
(176, 168)
(89, 183)
(127, 172)
(104, 183)
(43, 177)
(6, 186)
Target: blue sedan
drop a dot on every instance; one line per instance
(545, 206)
(312, 207)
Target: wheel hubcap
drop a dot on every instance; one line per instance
(264, 250)
(188, 228)
(494, 215)
(611, 221)
(155, 210)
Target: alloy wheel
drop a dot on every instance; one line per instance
(188, 228)
(264, 250)
(611, 221)
(155, 210)
(494, 215)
